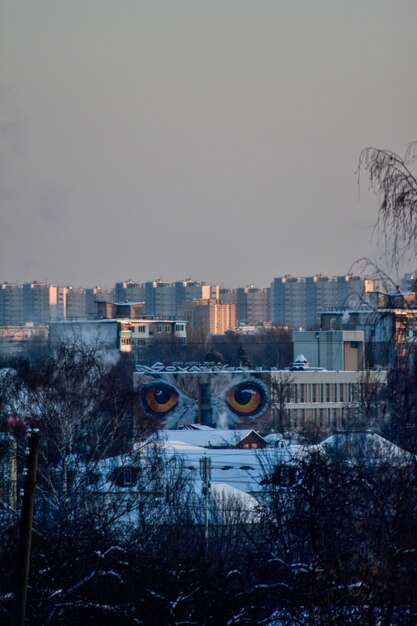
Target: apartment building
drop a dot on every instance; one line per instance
(129, 291)
(297, 301)
(16, 339)
(11, 304)
(58, 303)
(134, 336)
(162, 298)
(252, 305)
(210, 317)
(36, 303)
(389, 333)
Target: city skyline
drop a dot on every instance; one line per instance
(142, 139)
(377, 278)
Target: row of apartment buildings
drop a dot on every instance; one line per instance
(39, 303)
(289, 301)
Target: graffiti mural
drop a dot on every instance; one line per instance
(217, 397)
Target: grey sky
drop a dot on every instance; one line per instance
(215, 139)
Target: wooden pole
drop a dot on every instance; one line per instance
(25, 534)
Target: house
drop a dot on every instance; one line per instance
(215, 438)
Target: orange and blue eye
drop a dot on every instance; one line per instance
(159, 399)
(246, 399)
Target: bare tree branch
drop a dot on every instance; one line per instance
(396, 186)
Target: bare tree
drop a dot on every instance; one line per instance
(391, 177)
(340, 533)
(281, 388)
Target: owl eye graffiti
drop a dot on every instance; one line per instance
(246, 399)
(160, 399)
(232, 399)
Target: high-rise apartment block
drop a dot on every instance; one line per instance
(40, 303)
(11, 304)
(162, 298)
(36, 303)
(76, 303)
(58, 303)
(252, 305)
(297, 301)
(129, 291)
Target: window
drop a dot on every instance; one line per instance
(327, 393)
(282, 476)
(335, 392)
(92, 479)
(314, 393)
(159, 329)
(167, 329)
(341, 393)
(302, 393)
(127, 477)
(179, 327)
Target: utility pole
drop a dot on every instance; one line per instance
(25, 534)
(205, 473)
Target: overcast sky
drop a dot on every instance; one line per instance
(217, 140)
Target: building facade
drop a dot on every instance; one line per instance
(252, 305)
(209, 317)
(339, 350)
(11, 304)
(297, 301)
(130, 336)
(324, 401)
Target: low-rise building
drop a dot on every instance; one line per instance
(314, 399)
(16, 339)
(300, 399)
(331, 349)
(134, 336)
(388, 332)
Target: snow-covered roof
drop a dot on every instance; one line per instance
(275, 440)
(234, 505)
(196, 427)
(368, 447)
(240, 469)
(207, 438)
(300, 358)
